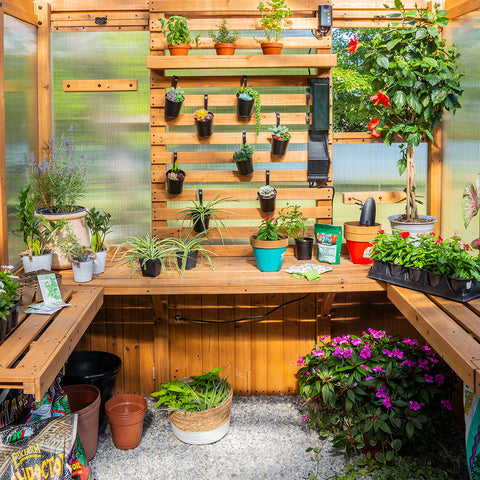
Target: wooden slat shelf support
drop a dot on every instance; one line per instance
(350, 198)
(34, 353)
(100, 85)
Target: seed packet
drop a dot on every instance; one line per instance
(329, 243)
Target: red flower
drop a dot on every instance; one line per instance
(405, 234)
(372, 125)
(353, 44)
(380, 99)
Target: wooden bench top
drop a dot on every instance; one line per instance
(233, 275)
(451, 328)
(33, 354)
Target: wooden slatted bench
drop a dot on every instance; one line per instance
(34, 353)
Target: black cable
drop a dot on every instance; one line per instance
(179, 318)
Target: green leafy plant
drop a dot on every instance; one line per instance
(244, 153)
(224, 35)
(8, 291)
(59, 180)
(176, 95)
(36, 232)
(194, 394)
(73, 249)
(269, 230)
(178, 31)
(375, 390)
(249, 93)
(275, 17)
(416, 78)
(280, 132)
(99, 225)
(292, 222)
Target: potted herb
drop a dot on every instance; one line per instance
(243, 159)
(224, 39)
(269, 246)
(188, 249)
(203, 122)
(178, 36)
(267, 196)
(99, 225)
(37, 233)
(416, 77)
(80, 257)
(198, 406)
(201, 213)
(275, 17)
(175, 178)
(9, 301)
(147, 252)
(246, 98)
(294, 224)
(173, 102)
(280, 139)
(59, 181)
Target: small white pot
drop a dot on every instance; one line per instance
(37, 262)
(99, 262)
(414, 228)
(83, 271)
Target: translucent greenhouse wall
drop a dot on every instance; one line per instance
(20, 40)
(112, 126)
(461, 143)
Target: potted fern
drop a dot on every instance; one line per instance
(243, 159)
(275, 17)
(173, 102)
(247, 97)
(224, 39)
(178, 36)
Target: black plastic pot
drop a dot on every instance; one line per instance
(191, 259)
(245, 167)
(279, 147)
(434, 278)
(175, 187)
(303, 248)
(200, 226)
(244, 107)
(459, 284)
(395, 269)
(267, 205)
(172, 108)
(152, 268)
(204, 129)
(377, 265)
(414, 273)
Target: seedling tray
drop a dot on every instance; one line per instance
(442, 289)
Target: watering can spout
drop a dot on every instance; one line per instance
(368, 212)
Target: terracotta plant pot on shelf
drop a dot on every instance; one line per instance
(359, 238)
(179, 49)
(272, 48)
(225, 48)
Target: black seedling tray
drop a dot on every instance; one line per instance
(442, 289)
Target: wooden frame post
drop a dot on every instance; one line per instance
(434, 178)
(3, 166)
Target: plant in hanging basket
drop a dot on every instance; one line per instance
(267, 195)
(178, 36)
(275, 17)
(224, 39)
(173, 102)
(243, 159)
(280, 139)
(175, 178)
(247, 97)
(203, 121)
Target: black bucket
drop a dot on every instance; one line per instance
(93, 368)
(245, 167)
(204, 129)
(172, 108)
(175, 187)
(303, 248)
(267, 205)
(244, 107)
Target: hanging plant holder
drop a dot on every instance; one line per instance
(267, 203)
(279, 146)
(175, 185)
(245, 167)
(244, 107)
(172, 107)
(204, 127)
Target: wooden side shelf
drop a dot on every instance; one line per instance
(34, 353)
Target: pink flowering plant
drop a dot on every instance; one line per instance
(375, 390)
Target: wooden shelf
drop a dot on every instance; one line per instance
(241, 61)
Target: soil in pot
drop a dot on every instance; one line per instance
(225, 48)
(150, 268)
(204, 129)
(245, 167)
(244, 107)
(271, 48)
(279, 147)
(179, 49)
(175, 187)
(191, 259)
(303, 248)
(172, 108)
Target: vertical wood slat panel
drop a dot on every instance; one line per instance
(210, 312)
(259, 346)
(146, 336)
(161, 347)
(115, 337)
(243, 347)
(275, 346)
(226, 340)
(177, 338)
(291, 339)
(193, 336)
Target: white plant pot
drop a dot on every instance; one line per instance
(37, 262)
(414, 228)
(99, 262)
(83, 271)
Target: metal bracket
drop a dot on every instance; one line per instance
(307, 94)
(101, 20)
(244, 81)
(278, 118)
(174, 159)
(267, 177)
(307, 118)
(175, 81)
(244, 137)
(205, 102)
(200, 196)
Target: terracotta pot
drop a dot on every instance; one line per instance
(126, 414)
(179, 49)
(225, 48)
(359, 238)
(272, 48)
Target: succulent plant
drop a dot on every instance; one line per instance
(244, 153)
(176, 95)
(249, 93)
(175, 175)
(202, 115)
(280, 132)
(267, 191)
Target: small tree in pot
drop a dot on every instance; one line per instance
(243, 159)
(224, 39)
(294, 224)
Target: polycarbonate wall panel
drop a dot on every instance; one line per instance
(113, 126)
(461, 142)
(20, 40)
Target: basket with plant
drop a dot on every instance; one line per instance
(247, 97)
(267, 196)
(243, 159)
(178, 35)
(203, 122)
(275, 17)
(294, 224)
(175, 178)
(280, 138)
(173, 102)
(224, 39)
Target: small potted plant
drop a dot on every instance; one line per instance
(99, 225)
(269, 246)
(224, 39)
(173, 102)
(275, 17)
(9, 301)
(267, 196)
(175, 178)
(294, 224)
(203, 122)
(80, 257)
(246, 98)
(36, 232)
(243, 159)
(178, 36)
(280, 139)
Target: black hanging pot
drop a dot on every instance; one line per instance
(244, 107)
(151, 268)
(172, 107)
(204, 128)
(175, 187)
(303, 248)
(279, 147)
(191, 259)
(267, 205)
(245, 167)
(200, 226)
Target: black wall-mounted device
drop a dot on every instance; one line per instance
(324, 16)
